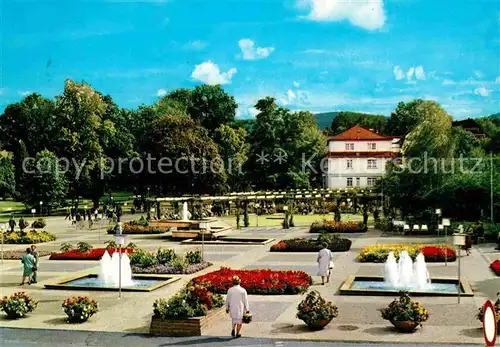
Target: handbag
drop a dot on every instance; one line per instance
(331, 265)
(247, 318)
(34, 268)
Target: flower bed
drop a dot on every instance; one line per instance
(329, 226)
(257, 281)
(166, 261)
(432, 253)
(18, 254)
(93, 254)
(334, 242)
(132, 229)
(28, 237)
(495, 267)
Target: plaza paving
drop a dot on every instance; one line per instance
(274, 316)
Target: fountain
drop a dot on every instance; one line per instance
(405, 274)
(109, 277)
(109, 270)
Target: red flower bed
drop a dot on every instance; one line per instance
(94, 254)
(435, 254)
(256, 281)
(495, 267)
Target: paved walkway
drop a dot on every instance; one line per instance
(274, 316)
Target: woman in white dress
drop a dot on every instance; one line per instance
(324, 263)
(236, 306)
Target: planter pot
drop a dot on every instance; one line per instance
(13, 315)
(76, 317)
(405, 326)
(195, 326)
(319, 325)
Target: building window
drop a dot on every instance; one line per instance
(372, 146)
(372, 163)
(349, 163)
(371, 181)
(349, 146)
(349, 181)
(358, 181)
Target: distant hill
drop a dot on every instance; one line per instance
(324, 120)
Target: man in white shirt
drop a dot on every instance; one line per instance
(236, 305)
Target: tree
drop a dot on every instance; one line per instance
(345, 120)
(7, 176)
(211, 106)
(190, 159)
(405, 118)
(47, 181)
(234, 150)
(81, 122)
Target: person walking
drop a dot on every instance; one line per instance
(34, 253)
(237, 306)
(12, 223)
(28, 262)
(325, 263)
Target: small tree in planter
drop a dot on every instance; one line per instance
(39, 224)
(17, 305)
(406, 315)
(79, 308)
(315, 311)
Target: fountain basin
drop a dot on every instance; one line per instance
(140, 283)
(375, 285)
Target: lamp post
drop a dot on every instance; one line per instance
(459, 240)
(120, 240)
(203, 227)
(41, 208)
(257, 213)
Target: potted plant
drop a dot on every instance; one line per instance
(17, 305)
(480, 314)
(406, 315)
(315, 311)
(79, 308)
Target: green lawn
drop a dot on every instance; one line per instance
(299, 220)
(10, 206)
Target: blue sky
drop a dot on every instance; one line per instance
(317, 55)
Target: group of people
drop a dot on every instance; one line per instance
(30, 265)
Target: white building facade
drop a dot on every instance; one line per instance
(358, 157)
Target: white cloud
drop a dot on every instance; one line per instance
(24, 93)
(253, 111)
(195, 45)
(324, 72)
(419, 73)
(209, 73)
(250, 52)
(497, 80)
(2, 90)
(481, 91)
(448, 82)
(296, 84)
(161, 92)
(368, 14)
(409, 73)
(478, 74)
(398, 73)
(315, 51)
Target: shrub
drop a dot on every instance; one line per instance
(328, 226)
(66, 247)
(195, 300)
(83, 247)
(404, 309)
(79, 308)
(18, 305)
(480, 314)
(176, 267)
(194, 257)
(111, 244)
(143, 258)
(30, 237)
(164, 256)
(334, 242)
(257, 281)
(143, 222)
(434, 253)
(314, 309)
(137, 229)
(131, 245)
(495, 267)
(39, 224)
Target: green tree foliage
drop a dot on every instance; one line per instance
(7, 175)
(194, 164)
(234, 150)
(280, 142)
(345, 120)
(211, 106)
(405, 118)
(47, 183)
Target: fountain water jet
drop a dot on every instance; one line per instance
(406, 274)
(109, 270)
